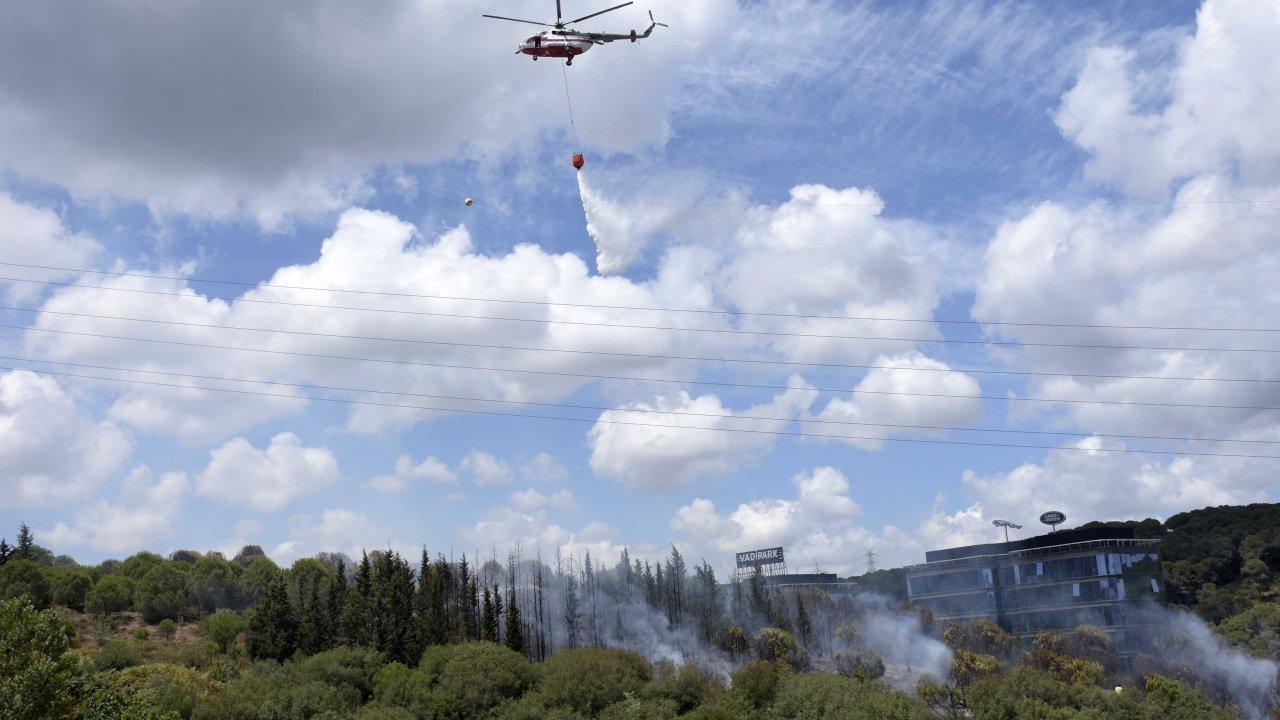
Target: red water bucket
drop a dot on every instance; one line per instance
(578, 161)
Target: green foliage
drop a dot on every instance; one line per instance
(395, 685)
(162, 592)
(756, 684)
(69, 588)
(23, 579)
(684, 688)
(979, 636)
(272, 631)
(1028, 694)
(116, 655)
(108, 702)
(167, 688)
(257, 577)
(968, 666)
(140, 633)
(135, 567)
(212, 582)
(587, 680)
(776, 645)
(1256, 630)
(472, 678)
(167, 628)
(222, 628)
(273, 692)
(111, 594)
(822, 696)
(36, 672)
(350, 670)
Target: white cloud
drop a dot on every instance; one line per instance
(543, 468)
(337, 530)
(487, 470)
(1222, 94)
(51, 451)
(507, 527)
(34, 235)
(531, 499)
(654, 457)
(301, 104)
(407, 472)
(144, 513)
(903, 408)
(269, 479)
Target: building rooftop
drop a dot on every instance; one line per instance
(1062, 537)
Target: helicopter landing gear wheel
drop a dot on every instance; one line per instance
(569, 62)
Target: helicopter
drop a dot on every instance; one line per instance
(565, 42)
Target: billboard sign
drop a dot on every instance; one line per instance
(757, 558)
(1053, 517)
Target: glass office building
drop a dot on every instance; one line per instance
(1095, 576)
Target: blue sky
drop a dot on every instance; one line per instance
(997, 162)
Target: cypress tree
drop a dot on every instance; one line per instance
(5, 551)
(26, 542)
(272, 632)
(804, 626)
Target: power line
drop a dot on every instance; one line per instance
(595, 421)
(558, 373)
(605, 408)
(599, 306)
(646, 356)
(668, 328)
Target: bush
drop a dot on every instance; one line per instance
(822, 696)
(222, 628)
(116, 655)
(775, 645)
(403, 687)
(167, 628)
(69, 588)
(588, 680)
(350, 670)
(162, 593)
(687, 687)
(140, 633)
(269, 692)
(756, 684)
(35, 670)
(23, 579)
(111, 594)
(167, 688)
(472, 678)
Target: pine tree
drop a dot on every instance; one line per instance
(272, 632)
(488, 618)
(334, 604)
(466, 620)
(497, 614)
(311, 617)
(5, 551)
(675, 587)
(356, 628)
(26, 542)
(542, 643)
(515, 633)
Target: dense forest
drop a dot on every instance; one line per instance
(197, 635)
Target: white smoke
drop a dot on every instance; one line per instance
(620, 233)
(899, 638)
(1186, 645)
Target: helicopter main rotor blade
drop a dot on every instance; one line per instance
(615, 7)
(531, 22)
(558, 13)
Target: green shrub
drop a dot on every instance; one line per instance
(167, 628)
(23, 579)
(403, 687)
(775, 645)
(35, 670)
(820, 696)
(222, 628)
(588, 680)
(350, 670)
(167, 688)
(116, 655)
(756, 684)
(111, 594)
(140, 633)
(472, 678)
(69, 588)
(272, 692)
(162, 593)
(686, 686)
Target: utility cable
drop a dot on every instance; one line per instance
(592, 376)
(670, 328)
(642, 356)
(645, 308)
(598, 421)
(678, 413)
